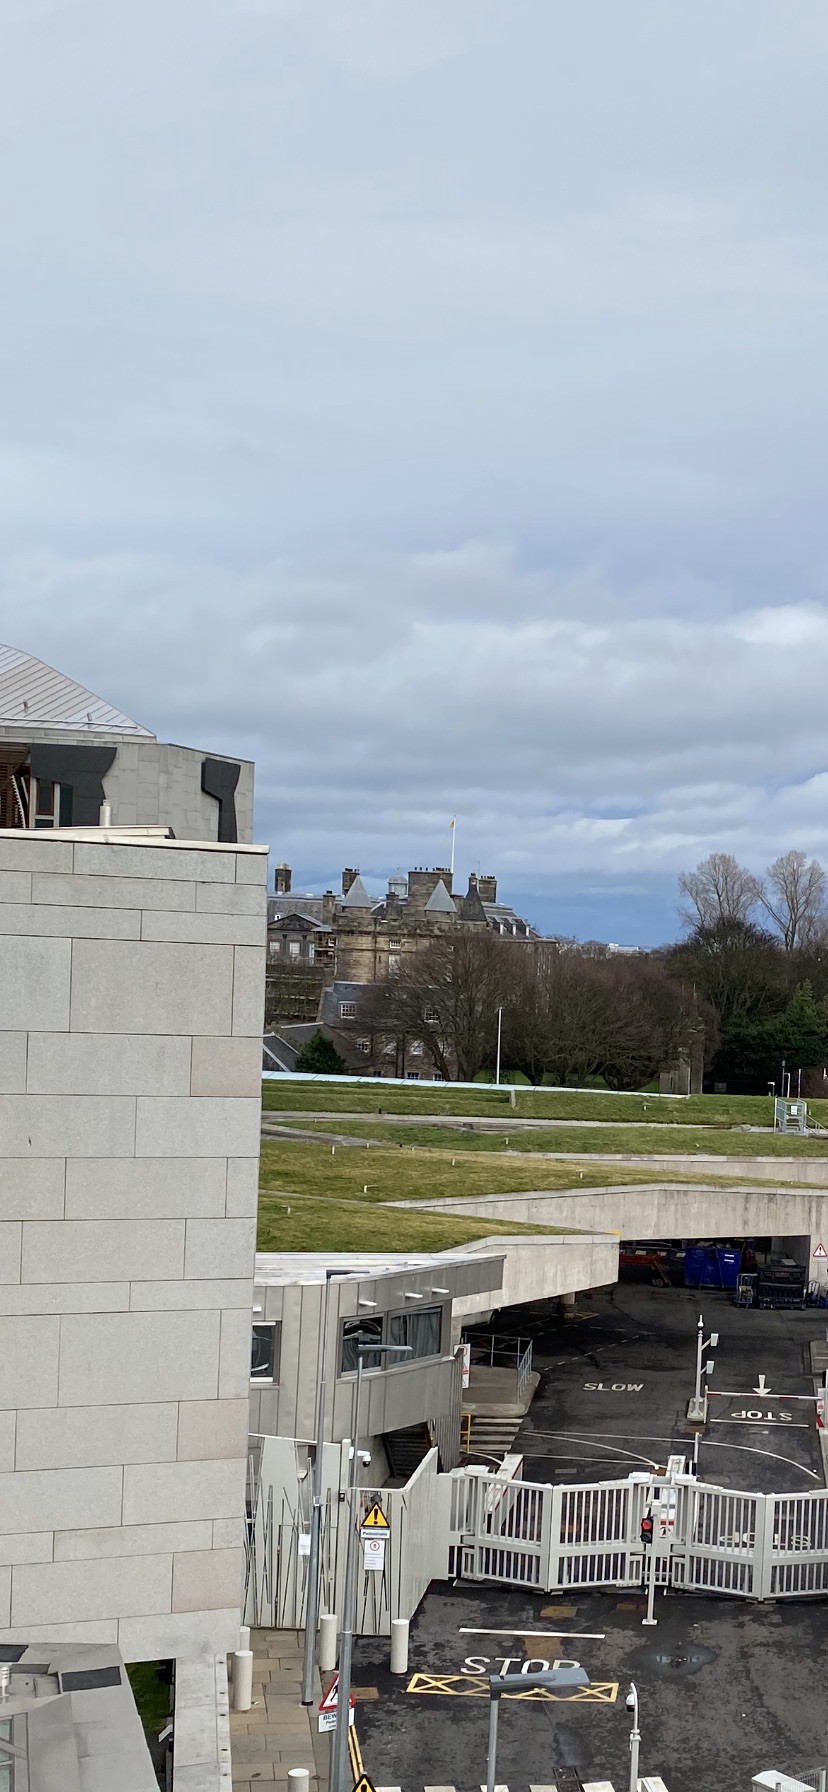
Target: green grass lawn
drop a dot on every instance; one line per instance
(151, 1695)
(637, 1140)
(418, 1175)
(533, 1104)
(291, 1223)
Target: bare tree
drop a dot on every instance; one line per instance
(447, 996)
(794, 897)
(719, 889)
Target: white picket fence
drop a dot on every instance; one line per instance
(479, 1527)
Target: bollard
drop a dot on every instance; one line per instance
(328, 1631)
(243, 1680)
(298, 1779)
(399, 1645)
(244, 1636)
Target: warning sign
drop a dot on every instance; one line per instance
(820, 1253)
(375, 1519)
(328, 1707)
(364, 1784)
(373, 1551)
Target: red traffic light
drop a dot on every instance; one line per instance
(647, 1528)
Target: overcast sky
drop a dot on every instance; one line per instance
(427, 399)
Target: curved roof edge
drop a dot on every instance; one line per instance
(34, 694)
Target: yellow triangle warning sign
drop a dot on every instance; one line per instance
(364, 1784)
(375, 1519)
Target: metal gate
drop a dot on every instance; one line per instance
(747, 1545)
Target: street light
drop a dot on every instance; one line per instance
(516, 1683)
(635, 1735)
(499, 1033)
(340, 1779)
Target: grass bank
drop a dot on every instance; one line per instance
(300, 1223)
(640, 1141)
(416, 1175)
(533, 1104)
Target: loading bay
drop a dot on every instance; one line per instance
(726, 1687)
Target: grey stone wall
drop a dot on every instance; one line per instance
(131, 996)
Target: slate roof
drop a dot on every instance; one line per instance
(357, 896)
(32, 693)
(439, 902)
(471, 907)
(335, 993)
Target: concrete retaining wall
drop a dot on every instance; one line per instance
(669, 1210)
(540, 1268)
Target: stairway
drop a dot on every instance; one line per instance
(485, 1435)
(405, 1450)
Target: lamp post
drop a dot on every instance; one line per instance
(515, 1683)
(340, 1780)
(635, 1735)
(499, 1033)
(312, 1608)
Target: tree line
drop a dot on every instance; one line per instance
(742, 992)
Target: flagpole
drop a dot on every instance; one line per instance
(453, 838)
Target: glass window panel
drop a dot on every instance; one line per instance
(264, 1360)
(421, 1330)
(354, 1333)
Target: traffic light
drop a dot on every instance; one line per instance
(647, 1528)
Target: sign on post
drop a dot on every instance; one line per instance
(373, 1551)
(374, 1520)
(327, 1708)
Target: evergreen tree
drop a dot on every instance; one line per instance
(320, 1057)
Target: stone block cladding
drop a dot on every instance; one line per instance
(131, 1006)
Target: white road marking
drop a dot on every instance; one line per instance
(710, 1444)
(763, 1387)
(538, 1636)
(789, 1424)
(738, 1394)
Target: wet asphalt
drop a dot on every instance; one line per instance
(726, 1687)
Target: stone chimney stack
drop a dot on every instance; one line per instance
(282, 880)
(348, 877)
(487, 887)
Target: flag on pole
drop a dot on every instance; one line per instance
(451, 831)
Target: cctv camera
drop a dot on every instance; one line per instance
(365, 1458)
(630, 1701)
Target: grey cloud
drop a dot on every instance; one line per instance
(461, 370)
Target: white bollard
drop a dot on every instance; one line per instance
(243, 1680)
(244, 1636)
(328, 1632)
(298, 1779)
(399, 1645)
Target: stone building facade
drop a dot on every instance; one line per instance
(131, 983)
(132, 973)
(314, 940)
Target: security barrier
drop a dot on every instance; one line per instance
(475, 1526)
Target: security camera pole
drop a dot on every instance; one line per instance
(635, 1735)
(517, 1683)
(697, 1408)
(312, 1607)
(340, 1778)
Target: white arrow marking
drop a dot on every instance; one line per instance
(763, 1386)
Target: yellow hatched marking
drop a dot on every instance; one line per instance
(473, 1686)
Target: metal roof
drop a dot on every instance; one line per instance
(34, 694)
